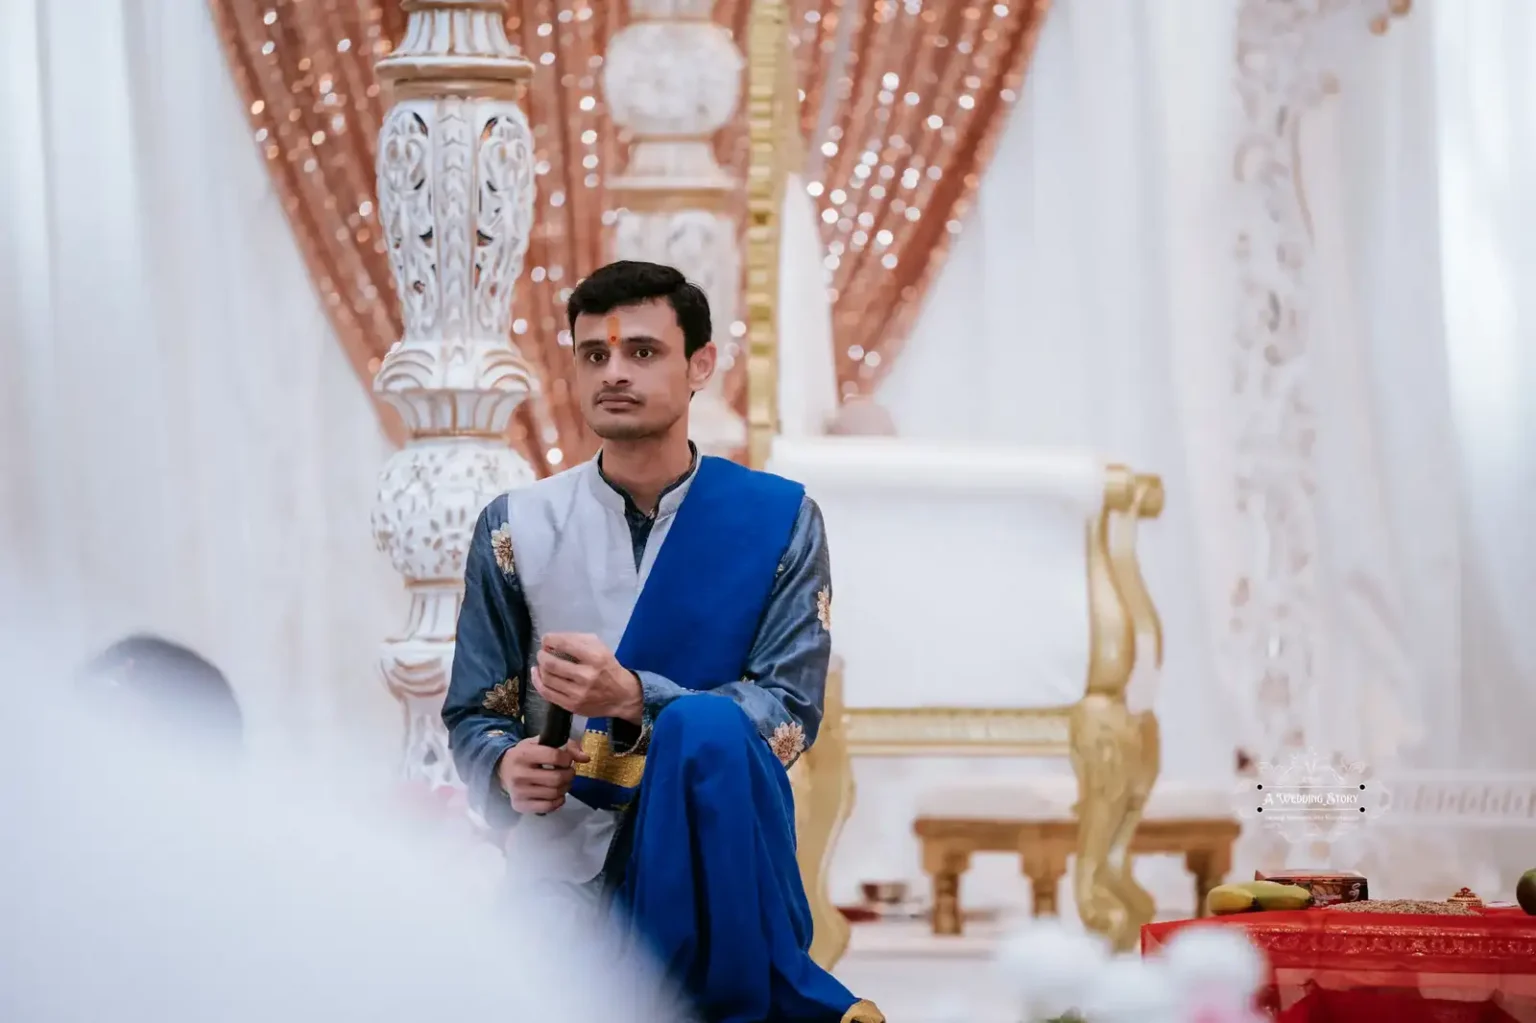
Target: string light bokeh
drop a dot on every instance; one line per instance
(901, 103)
(902, 107)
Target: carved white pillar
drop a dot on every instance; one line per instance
(456, 187)
(673, 77)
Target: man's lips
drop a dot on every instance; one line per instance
(617, 401)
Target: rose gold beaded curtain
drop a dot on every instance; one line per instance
(305, 68)
(923, 92)
(306, 73)
(920, 95)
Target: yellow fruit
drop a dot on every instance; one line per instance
(1228, 898)
(1277, 896)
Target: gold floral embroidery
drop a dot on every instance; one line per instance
(824, 607)
(501, 547)
(788, 742)
(504, 699)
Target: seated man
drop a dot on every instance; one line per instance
(677, 607)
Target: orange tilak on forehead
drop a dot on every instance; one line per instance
(613, 332)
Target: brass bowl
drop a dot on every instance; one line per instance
(884, 893)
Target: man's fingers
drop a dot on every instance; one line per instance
(543, 775)
(581, 645)
(561, 691)
(533, 756)
(550, 785)
(538, 805)
(555, 669)
(574, 748)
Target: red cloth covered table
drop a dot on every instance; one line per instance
(1328, 966)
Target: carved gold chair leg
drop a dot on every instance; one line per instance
(822, 782)
(1098, 756)
(1114, 752)
(1151, 768)
(1142, 759)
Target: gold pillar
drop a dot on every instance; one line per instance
(771, 119)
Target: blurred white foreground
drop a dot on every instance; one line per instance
(147, 884)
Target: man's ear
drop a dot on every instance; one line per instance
(701, 366)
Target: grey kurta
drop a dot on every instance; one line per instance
(566, 555)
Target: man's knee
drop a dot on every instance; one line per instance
(702, 724)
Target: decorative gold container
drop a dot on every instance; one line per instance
(1466, 897)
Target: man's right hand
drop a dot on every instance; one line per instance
(538, 777)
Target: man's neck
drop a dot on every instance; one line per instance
(645, 468)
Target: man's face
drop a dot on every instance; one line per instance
(631, 374)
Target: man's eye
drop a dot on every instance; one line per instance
(643, 353)
(596, 357)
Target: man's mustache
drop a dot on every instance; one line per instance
(618, 396)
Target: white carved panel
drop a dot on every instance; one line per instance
(673, 78)
(1284, 72)
(429, 497)
(678, 78)
(702, 244)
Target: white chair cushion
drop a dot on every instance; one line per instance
(1052, 798)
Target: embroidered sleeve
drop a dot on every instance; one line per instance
(785, 681)
(484, 704)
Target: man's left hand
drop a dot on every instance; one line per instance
(577, 671)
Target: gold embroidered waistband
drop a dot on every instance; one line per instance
(624, 771)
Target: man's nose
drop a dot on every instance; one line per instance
(616, 371)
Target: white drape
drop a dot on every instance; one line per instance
(1388, 550)
(1079, 309)
(185, 448)
(807, 372)
(1488, 224)
(1091, 300)
(1487, 158)
(1062, 316)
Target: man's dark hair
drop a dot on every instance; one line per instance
(630, 282)
(167, 685)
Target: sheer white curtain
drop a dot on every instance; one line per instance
(1083, 307)
(185, 448)
(1084, 296)
(807, 369)
(1385, 461)
(1488, 222)
(1487, 162)
(1090, 302)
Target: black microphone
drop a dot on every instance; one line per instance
(557, 727)
(557, 723)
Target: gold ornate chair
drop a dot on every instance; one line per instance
(1113, 746)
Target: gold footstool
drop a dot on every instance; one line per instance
(1034, 819)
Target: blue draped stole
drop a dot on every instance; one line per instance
(699, 610)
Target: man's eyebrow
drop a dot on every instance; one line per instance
(632, 339)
